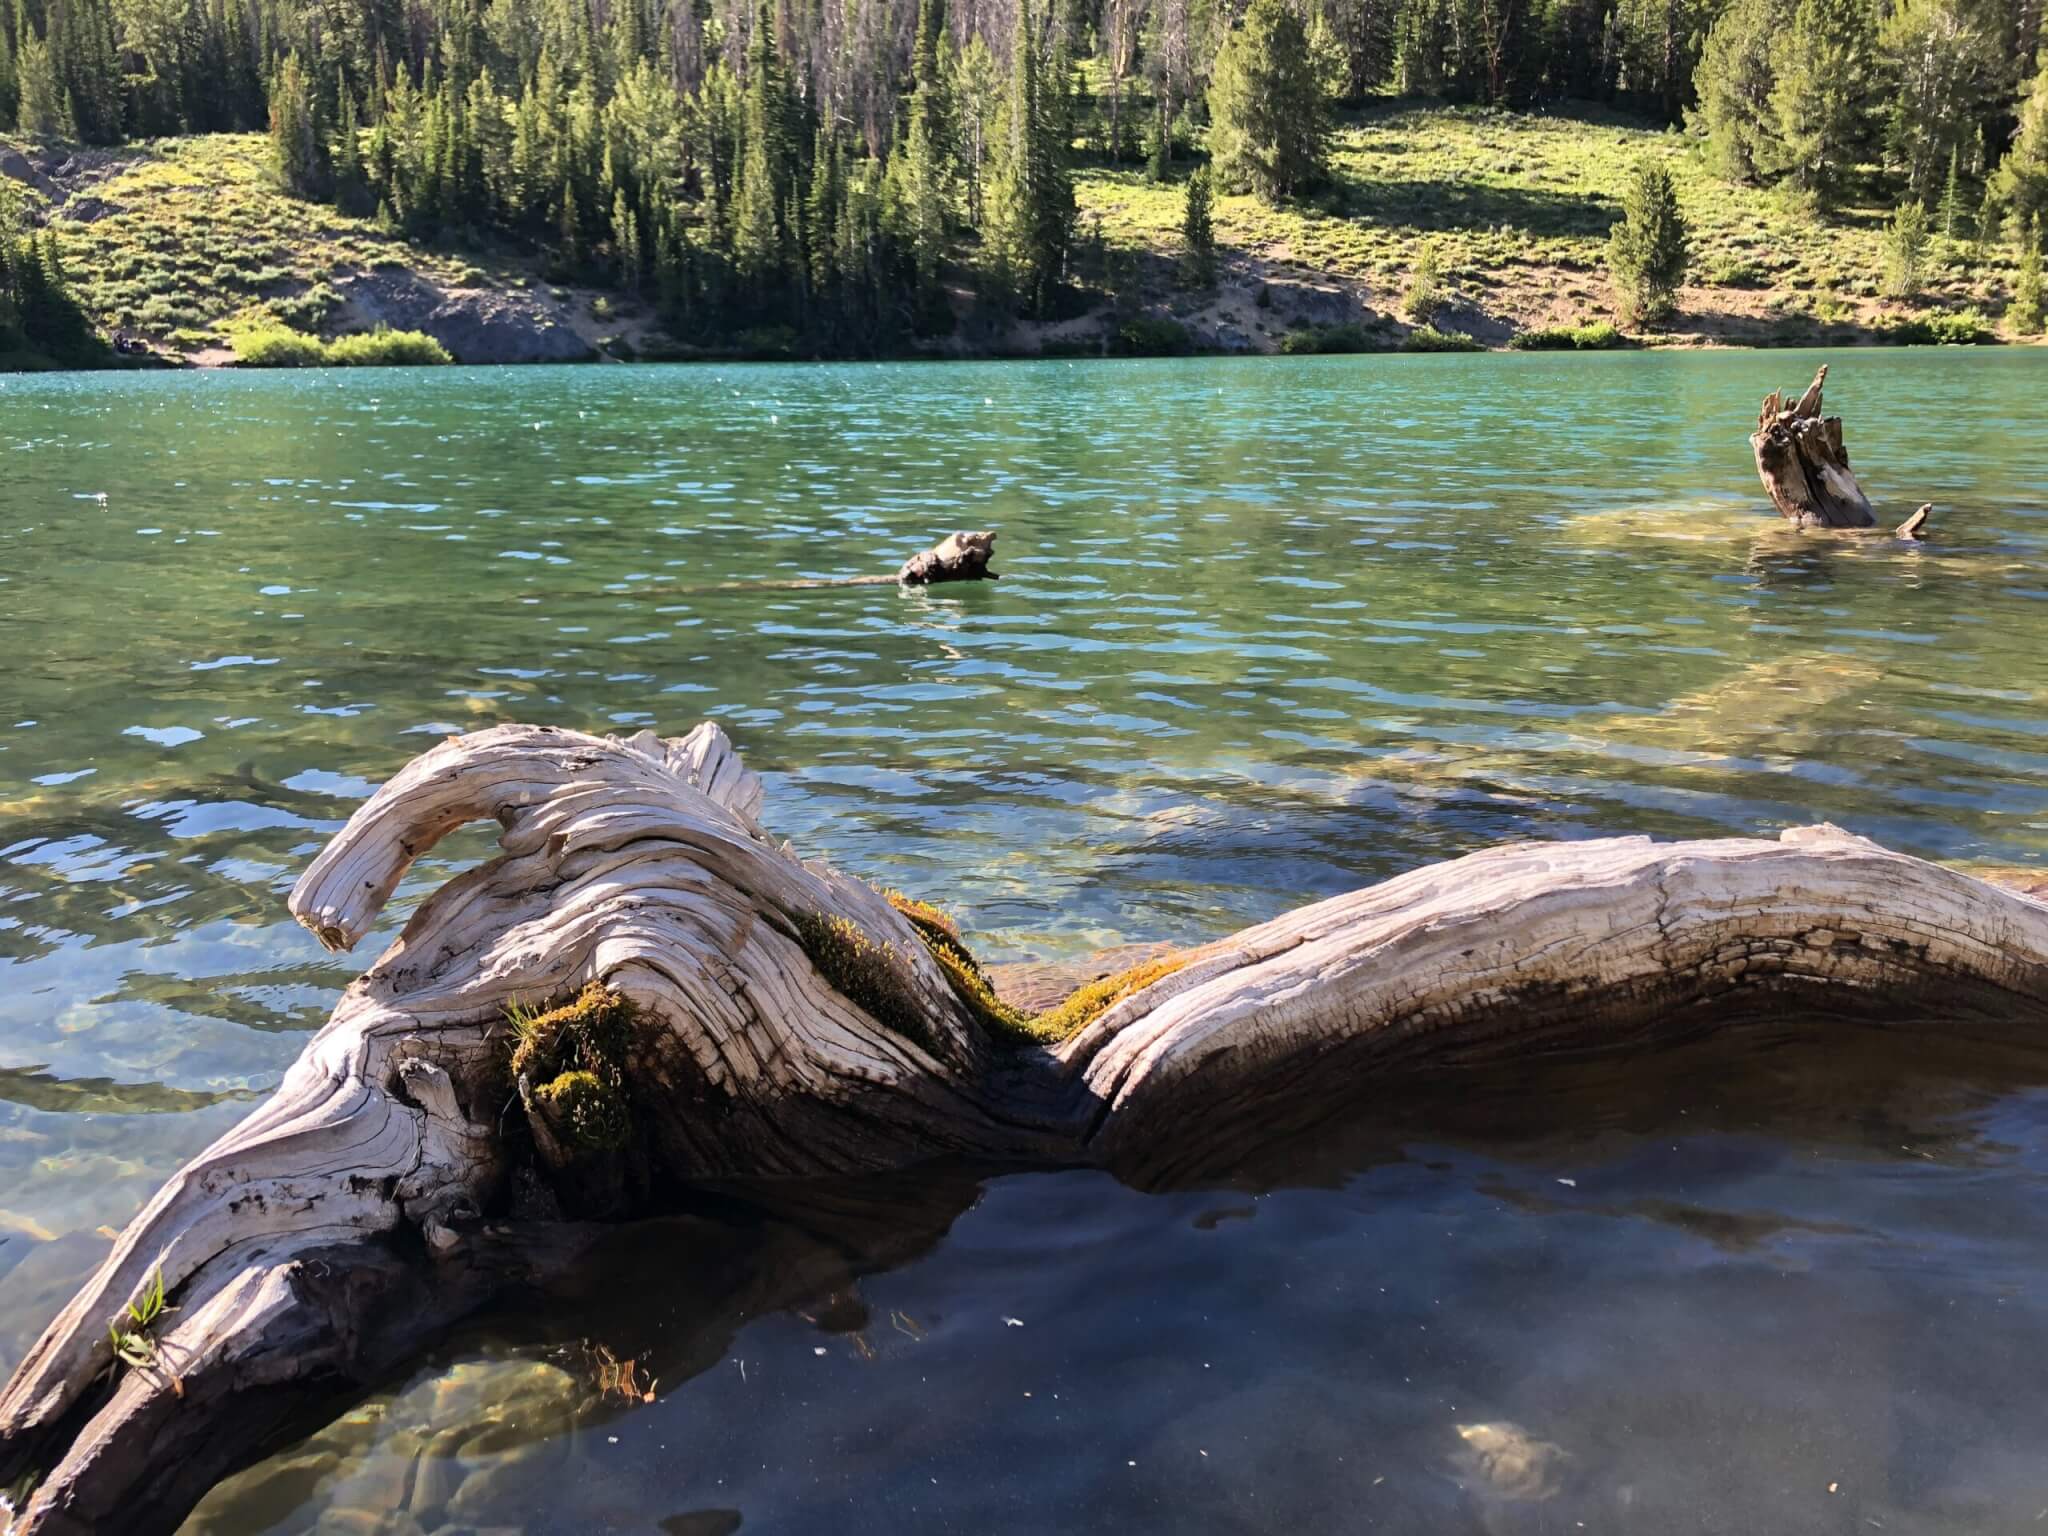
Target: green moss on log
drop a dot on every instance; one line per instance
(977, 993)
(574, 1057)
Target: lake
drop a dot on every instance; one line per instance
(1267, 630)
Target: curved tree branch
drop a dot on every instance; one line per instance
(644, 990)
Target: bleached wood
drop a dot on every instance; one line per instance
(377, 1167)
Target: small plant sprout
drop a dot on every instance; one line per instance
(134, 1344)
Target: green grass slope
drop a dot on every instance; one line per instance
(189, 243)
(1518, 206)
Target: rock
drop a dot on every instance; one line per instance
(476, 325)
(90, 210)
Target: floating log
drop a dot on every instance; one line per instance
(1803, 465)
(960, 556)
(645, 990)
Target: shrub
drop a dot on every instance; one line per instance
(1424, 293)
(1737, 274)
(1349, 337)
(277, 346)
(386, 348)
(1427, 338)
(1149, 336)
(1593, 336)
(1961, 328)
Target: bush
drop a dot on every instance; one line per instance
(1147, 336)
(1424, 294)
(1427, 338)
(1312, 339)
(277, 346)
(1738, 274)
(385, 348)
(1593, 336)
(1962, 328)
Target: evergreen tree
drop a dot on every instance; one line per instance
(1734, 83)
(1198, 234)
(351, 191)
(1821, 101)
(10, 84)
(80, 34)
(822, 212)
(1268, 116)
(1945, 65)
(757, 237)
(2025, 310)
(298, 147)
(1949, 213)
(1646, 251)
(1905, 251)
(41, 111)
(1030, 212)
(2020, 186)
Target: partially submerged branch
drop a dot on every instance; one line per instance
(645, 990)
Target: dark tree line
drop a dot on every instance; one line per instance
(39, 318)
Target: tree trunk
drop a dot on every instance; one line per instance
(739, 1013)
(1800, 458)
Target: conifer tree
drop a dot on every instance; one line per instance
(1197, 233)
(41, 111)
(2025, 310)
(298, 147)
(1030, 214)
(1821, 100)
(10, 84)
(1949, 214)
(822, 211)
(1905, 250)
(1944, 66)
(1646, 251)
(1734, 83)
(1269, 121)
(350, 189)
(2020, 186)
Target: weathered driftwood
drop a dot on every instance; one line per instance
(1803, 465)
(773, 1018)
(962, 556)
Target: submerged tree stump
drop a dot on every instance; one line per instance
(1803, 465)
(645, 990)
(960, 556)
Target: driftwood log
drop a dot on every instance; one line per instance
(960, 556)
(645, 990)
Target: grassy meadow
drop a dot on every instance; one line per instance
(189, 243)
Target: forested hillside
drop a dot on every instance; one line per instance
(876, 176)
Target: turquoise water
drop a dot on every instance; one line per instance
(1266, 630)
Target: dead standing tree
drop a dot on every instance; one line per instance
(1805, 468)
(644, 989)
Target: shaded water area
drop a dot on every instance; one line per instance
(1267, 630)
